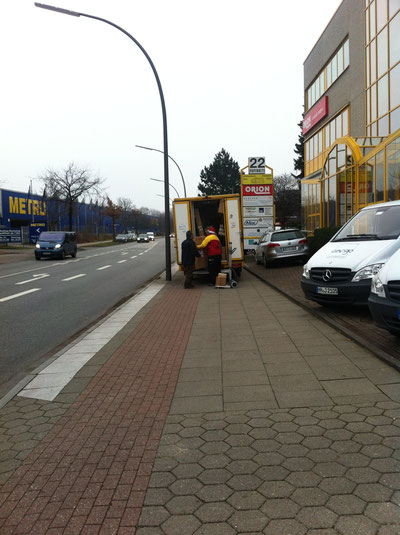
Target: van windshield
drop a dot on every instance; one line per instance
(379, 223)
(51, 236)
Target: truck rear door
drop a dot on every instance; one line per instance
(233, 226)
(181, 225)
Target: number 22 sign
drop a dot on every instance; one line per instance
(256, 165)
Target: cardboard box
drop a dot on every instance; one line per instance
(198, 220)
(201, 262)
(221, 279)
(221, 207)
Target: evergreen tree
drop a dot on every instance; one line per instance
(220, 177)
(299, 150)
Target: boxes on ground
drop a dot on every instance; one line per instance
(221, 279)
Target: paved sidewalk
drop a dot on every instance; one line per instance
(356, 321)
(213, 412)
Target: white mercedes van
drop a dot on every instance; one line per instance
(384, 300)
(341, 271)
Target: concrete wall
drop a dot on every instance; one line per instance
(349, 88)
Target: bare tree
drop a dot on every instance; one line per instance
(114, 211)
(287, 199)
(69, 185)
(128, 210)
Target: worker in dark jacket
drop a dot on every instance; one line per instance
(189, 253)
(214, 252)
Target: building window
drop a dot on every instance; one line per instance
(382, 65)
(329, 74)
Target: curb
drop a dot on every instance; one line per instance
(380, 353)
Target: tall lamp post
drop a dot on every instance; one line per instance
(170, 157)
(164, 116)
(171, 186)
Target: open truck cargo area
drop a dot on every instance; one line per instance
(219, 211)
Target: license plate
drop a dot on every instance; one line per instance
(46, 253)
(288, 248)
(323, 290)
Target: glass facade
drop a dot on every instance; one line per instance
(349, 173)
(317, 147)
(329, 74)
(382, 66)
(353, 176)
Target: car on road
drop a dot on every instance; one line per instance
(341, 271)
(56, 245)
(281, 244)
(143, 238)
(151, 236)
(123, 238)
(384, 299)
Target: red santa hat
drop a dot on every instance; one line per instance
(211, 230)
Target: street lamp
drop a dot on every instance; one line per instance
(170, 157)
(171, 186)
(164, 116)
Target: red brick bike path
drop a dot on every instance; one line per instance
(89, 475)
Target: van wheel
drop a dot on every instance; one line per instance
(37, 257)
(63, 255)
(74, 254)
(257, 261)
(265, 262)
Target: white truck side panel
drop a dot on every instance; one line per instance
(233, 221)
(181, 216)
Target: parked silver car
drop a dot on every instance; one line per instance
(281, 244)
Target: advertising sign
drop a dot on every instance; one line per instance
(257, 189)
(258, 211)
(253, 200)
(256, 165)
(22, 206)
(257, 179)
(257, 201)
(34, 230)
(10, 236)
(262, 222)
(314, 116)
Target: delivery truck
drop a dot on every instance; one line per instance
(219, 211)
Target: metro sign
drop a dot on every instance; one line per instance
(257, 189)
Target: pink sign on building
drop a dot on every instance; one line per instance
(317, 112)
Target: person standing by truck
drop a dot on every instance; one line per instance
(189, 253)
(213, 245)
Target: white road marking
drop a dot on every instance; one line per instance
(74, 277)
(123, 254)
(121, 261)
(104, 267)
(19, 295)
(140, 254)
(133, 256)
(36, 277)
(49, 382)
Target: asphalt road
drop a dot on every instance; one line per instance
(43, 305)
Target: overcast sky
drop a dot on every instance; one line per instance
(78, 90)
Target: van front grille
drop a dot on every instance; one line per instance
(335, 275)
(394, 290)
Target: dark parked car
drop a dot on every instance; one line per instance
(143, 238)
(56, 245)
